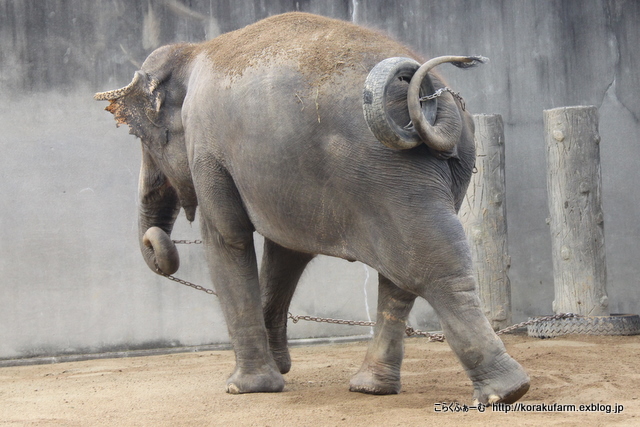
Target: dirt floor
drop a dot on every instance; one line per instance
(188, 389)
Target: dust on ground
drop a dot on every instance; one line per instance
(188, 389)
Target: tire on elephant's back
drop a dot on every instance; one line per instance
(385, 103)
(615, 324)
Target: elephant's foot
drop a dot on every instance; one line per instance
(264, 380)
(504, 381)
(279, 347)
(376, 379)
(282, 358)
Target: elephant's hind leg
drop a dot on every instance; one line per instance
(444, 277)
(380, 372)
(495, 375)
(279, 275)
(451, 291)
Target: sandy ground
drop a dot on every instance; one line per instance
(188, 388)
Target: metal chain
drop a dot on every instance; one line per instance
(439, 93)
(432, 336)
(409, 331)
(537, 320)
(184, 282)
(329, 320)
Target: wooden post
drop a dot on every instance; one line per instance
(577, 226)
(484, 217)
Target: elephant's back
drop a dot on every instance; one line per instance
(319, 46)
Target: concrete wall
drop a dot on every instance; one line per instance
(71, 276)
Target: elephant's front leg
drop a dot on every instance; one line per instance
(228, 236)
(279, 275)
(380, 372)
(236, 277)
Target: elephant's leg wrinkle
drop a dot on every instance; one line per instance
(495, 375)
(279, 276)
(380, 372)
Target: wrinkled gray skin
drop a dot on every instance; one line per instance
(289, 155)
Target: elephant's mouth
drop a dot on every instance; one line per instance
(189, 211)
(186, 197)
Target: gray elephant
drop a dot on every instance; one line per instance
(263, 129)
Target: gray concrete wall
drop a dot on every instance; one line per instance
(71, 277)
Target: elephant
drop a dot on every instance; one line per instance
(319, 135)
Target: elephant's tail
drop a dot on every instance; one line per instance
(434, 115)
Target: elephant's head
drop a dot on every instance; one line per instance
(151, 105)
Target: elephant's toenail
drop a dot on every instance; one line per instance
(233, 389)
(494, 399)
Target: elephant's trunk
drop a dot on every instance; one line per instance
(443, 135)
(164, 254)
(158, 209)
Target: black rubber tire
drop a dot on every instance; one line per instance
(615, 324)
(374, 105)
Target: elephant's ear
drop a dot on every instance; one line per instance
(139, 105)
(155, 97)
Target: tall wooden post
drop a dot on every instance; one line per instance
(484, 217)
(577, 229)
